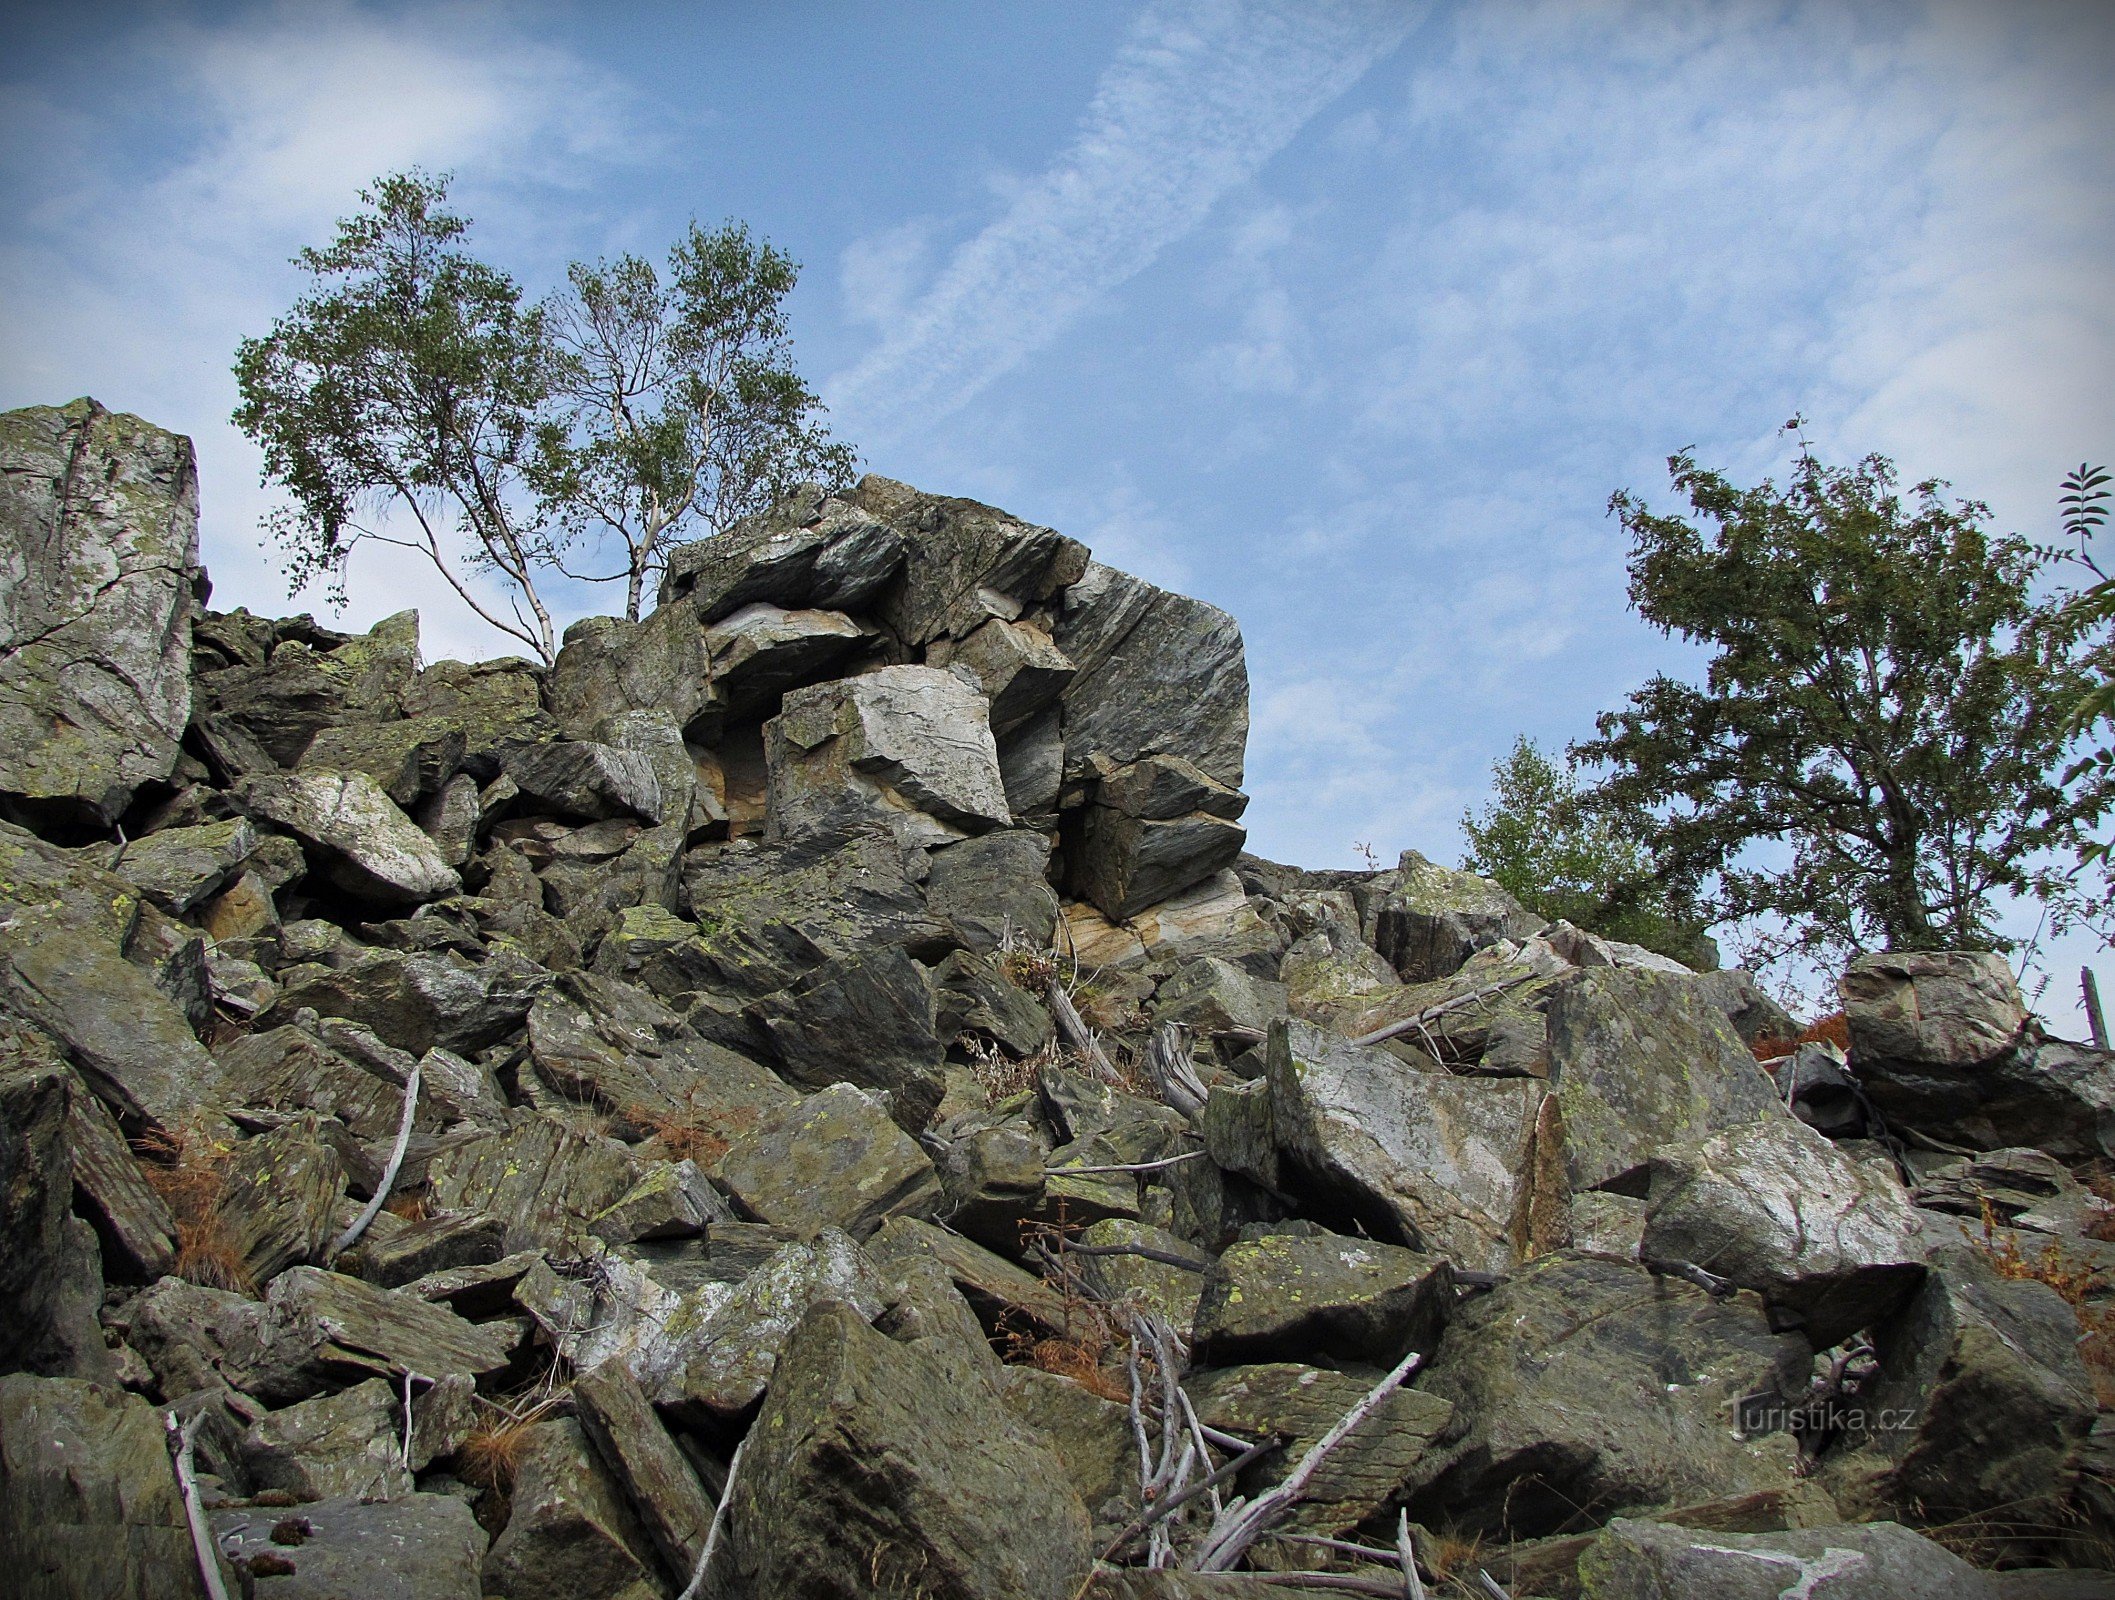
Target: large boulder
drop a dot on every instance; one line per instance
(1981, 1409)
(1157, 826)
(1941, 1047)
(609, 666)
(50, 1268)
(417, 1547)
(1775, 1207)
(1157, 674)
(874, 1464)
(1584, 1386)
(1430, 919)
(1420, 1159)
(368, 846)
(832, 1160)
(88, 1504)
(267, 689)
(1638, 1060)
(99, 584)
(807, 551)
(1303, 1296)
(908, 747)
(570, 1534)
(1633, 1560)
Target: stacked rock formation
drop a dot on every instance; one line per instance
(807, 1097)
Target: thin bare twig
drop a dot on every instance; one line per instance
(345, 1240)
(1406, 1553)
(1128, 1166)
(1490, 1585)
(1229, 1538)
(1077, 1037)
(182, 1436)
(1431, 1013)
(1168, 1507)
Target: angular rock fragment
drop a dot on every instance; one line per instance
(371, 849)
(1003, 1296)
(1287, 1296)
(663, 1491)
(1940, 1045)
(1157, 674)
(133, 1222)
(971, 1505)
(99, 583)
(1776, 1208)
(1633, 1560)
(903, 747)
(570, 1532)
(346, 1443)
(1392, 1453)
(832, 1160)
(1432, 919)
(994, 888)
(50, 1271)
(583, 780)
(436, 1243)
(318, 1325)
(278, 1193)
(870, 1020)
(88, 1505)
(416, 1547)
(1013, 665)
(308, 679)
(1639, 1060)
(178, 868)
(609, 666)
(807, 551)
(1428, 1161)
(546, 1182)
(1584, 1386)
(409, 760)
(762, 650)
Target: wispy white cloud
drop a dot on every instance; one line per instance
(1200, 95)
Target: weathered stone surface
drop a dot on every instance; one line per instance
(1170, 1291)
(417, 1547)
(1774, 1207)
(436, 1243)
(1394, 1451)
(654, 734)
(1420, 1159)
(50, 1277)
(664, 1493)
(278, 1192)
(608, 666)
(1754, 1014)
(766, 913)
(137, 1232)
(178, 868)
(1014, 666)
(184, 1332)
(671, 1200)
(1002, 1295)
(88, 1505)
(290, 1068)
(1939, 1043)
(1217, 999)
(1639, 1060)
(1158, 674)
(833, 1160)
(370, 848)
(319, 1323)
(1123, 864)
(592, 1037)
(988, 888)
(99, 584)
(1090, 1436)
(544, 1180)
(762, 650)
(722, 1358)
(807, 551)
(969, 1504)
(571, 1536)
(584, 780)
(310, 679)
(1584, 1386)
(973, 995)
(871, 1020)
(1432, 919)
(905, 747)
(1982, 1404)
(2023, 1189)
(1634, 1560)
(419, 1002)
(408, 760)
(1307, 1295)
(336, 1444)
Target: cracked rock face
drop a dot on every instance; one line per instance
(99, 583)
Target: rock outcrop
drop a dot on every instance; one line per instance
(815, 1065)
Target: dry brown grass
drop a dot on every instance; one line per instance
(1454, 1557)
(1090, 1342)
(999, 1075)
(415, 1207)
(684, 1135)
(492, 1453)
(2078, 1282)
(1835, 1029)
(188, 1170)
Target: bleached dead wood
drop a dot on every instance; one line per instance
(1078, 1037)
(1434, 1013)
(712, 1533)
(373, 1209)
(1168, 1065)
(1245, 1521)
(182, 1437)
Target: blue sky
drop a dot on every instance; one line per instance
(1347, 315)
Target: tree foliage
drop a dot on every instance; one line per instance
(1877, 755)
(411, 378)
(413, 397)
(1542, 839)
(680, 406)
